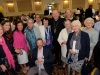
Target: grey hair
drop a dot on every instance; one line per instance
(69, 10)
(30, 19)
(77, 22)
(90, 19)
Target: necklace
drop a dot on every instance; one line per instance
(55, 25)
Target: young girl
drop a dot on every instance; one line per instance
(20, 46)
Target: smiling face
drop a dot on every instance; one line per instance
(20, 26)
(88, 24)
(76, 26)
(67, 24)
(39, 44)
(55, 14)
(68, 14)
(30, 23)
(6, 26)
(38, 19)
(45, 22)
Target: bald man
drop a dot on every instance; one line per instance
(57, 24)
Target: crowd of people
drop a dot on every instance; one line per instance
(36, 43)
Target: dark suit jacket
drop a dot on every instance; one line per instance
(85, 45)
(88, 13)
(48, 59)
(96, 52)
(59, 26)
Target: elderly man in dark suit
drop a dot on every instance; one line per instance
(57, 24)
(42, 60)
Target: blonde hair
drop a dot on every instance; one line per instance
(77, 22)
(68, 9)
(89, 19)
(70, 12)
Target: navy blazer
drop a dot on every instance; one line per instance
(85, 45)
(48, 59)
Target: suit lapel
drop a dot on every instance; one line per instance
(36, 53)
(43, 52)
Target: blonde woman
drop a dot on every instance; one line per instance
(93, 34)
(69, 15)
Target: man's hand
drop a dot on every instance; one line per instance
(40, 59)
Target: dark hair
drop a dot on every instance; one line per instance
(4, 21)
(37, 15)
(16, 28)
(90, 6)
(45, 18)
(67, 20)
(39, 39)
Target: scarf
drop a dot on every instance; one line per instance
(77, 39)
(7, 53)
(48, 37)
(20, 41)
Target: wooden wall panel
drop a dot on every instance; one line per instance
(78, 3)
(24, 5)
(10, 8)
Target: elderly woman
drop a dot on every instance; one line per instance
(69, 15)
(78, 47)
(62, 39)
(32, 33)
(93, 34)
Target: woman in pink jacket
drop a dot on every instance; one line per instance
(20, 46)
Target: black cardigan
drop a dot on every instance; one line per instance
(85, 45)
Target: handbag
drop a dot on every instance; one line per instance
(86, 68)
(95, 71)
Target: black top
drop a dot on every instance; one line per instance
(58, 25)
(88, 13)
(85, 45)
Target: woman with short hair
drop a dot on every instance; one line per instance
(78, 47)
(93, 34)
(62, 39)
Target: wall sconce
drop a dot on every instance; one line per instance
(66, 1)
(90, 1)
(10, 4)
(37, 2)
